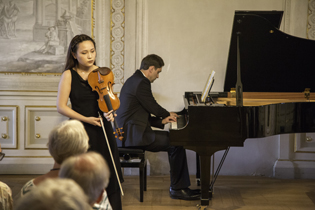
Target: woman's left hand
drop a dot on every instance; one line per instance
(109, 116)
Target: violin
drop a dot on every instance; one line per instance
(101, 80)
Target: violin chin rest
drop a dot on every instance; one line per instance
(103, 70)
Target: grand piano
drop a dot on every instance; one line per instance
(267, 87)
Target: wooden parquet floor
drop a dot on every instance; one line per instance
(230, 193)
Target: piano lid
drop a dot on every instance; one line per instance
(270, 60)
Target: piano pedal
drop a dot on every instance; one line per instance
(210, 195)
(200, 207)
(198, 182)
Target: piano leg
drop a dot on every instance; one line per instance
(197, 169)
(205, 179)
(215, 176)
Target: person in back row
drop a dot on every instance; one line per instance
(90, 171)
(54, 194)
(6, 201)
(65, 140)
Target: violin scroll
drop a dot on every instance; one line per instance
(119, 134)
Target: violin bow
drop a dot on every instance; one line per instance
(111, 155)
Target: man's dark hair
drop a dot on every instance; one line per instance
(151, 60)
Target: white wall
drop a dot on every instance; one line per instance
(193, 38)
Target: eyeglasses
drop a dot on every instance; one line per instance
(1, 155)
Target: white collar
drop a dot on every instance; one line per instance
(143, 73)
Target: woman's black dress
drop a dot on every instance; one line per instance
(84, 101)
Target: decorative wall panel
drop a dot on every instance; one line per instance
(8, 126)
(117, 48)
(305, 142)
(311, 20)
(39, 123)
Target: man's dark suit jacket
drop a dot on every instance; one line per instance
(134, 114)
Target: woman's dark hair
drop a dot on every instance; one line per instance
(73, 47)
(151, 60)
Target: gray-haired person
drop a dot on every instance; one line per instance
(55, 194)
(67, 139)
(91, 172)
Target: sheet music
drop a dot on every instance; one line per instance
(207, 86)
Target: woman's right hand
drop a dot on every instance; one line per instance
(94, 121)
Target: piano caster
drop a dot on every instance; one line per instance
(200, 207)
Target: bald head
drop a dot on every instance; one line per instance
(90, 171)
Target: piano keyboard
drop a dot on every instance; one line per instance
(173, 125)
(181, 122)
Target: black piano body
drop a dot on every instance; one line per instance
(231, 125)
(275, 66)
(209, 129)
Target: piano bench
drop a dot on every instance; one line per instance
(126, 156)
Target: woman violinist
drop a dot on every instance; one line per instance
(84, 107)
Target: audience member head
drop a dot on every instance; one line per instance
(54, 194)
(151, 60)
(90, 171)
(67, 139)
(6, 201)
